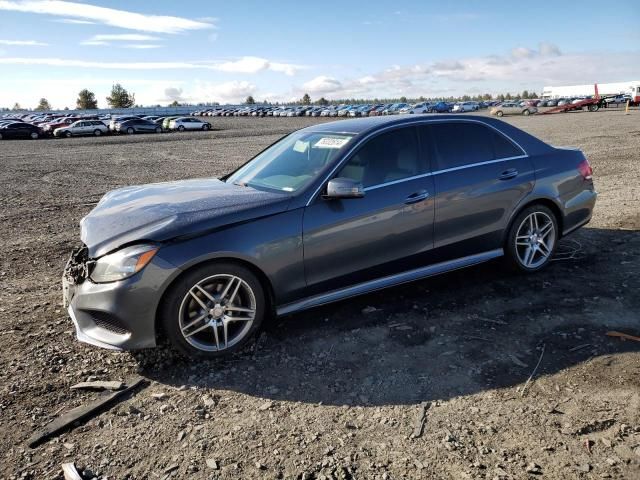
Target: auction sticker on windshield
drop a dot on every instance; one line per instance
(331, 142)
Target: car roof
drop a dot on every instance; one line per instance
(367, 124)
(364, 126)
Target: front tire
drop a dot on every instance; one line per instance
(532, 239)
(499, 113)
(205, 127)
(158, 129)
(130, 130)
(67, 134)
(181, 128)
(526, 113)
(213, 310)
(97, 132)
(34, 135)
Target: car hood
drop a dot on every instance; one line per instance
(164, 211)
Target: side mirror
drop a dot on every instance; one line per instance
(344, 188)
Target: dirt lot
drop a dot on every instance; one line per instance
(333, 393)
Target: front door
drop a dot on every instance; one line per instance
(353, 240)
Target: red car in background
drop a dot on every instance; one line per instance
(49, 127)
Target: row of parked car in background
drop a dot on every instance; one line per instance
(342, 110)
(37, 125)
(357, 110)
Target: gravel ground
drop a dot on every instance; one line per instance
(333, 393)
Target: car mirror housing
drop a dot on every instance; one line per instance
(342, 187)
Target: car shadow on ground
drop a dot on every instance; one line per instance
(456, 334)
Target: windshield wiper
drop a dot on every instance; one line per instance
(240, 184)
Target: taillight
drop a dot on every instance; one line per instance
(585, 169)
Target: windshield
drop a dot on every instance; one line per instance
(291, 163)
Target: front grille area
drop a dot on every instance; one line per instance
(108, 322)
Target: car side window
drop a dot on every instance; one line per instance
(503, 147)
(464, 143)
(385, 158)
(461, 143)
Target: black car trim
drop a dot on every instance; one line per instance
(414, 123)
(388, 281)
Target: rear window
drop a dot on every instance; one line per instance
(457, 144)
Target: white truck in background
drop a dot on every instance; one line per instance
(631, 88)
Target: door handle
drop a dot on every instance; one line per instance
(416, 197)
(508, 174)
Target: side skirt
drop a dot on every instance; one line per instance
(388, 281)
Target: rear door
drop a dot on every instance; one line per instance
(387, 231)
(480, 176)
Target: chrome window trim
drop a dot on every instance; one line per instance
(414, 123)
(445, 170)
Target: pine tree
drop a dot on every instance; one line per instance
(86, 100)
(120, 98)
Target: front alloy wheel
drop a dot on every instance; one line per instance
(532, 239)
(214, 310)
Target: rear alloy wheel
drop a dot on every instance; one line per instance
(158, 129)
(34, 135)
(67, 134)
(205, 127)
(214, 310)
(526, 113)
(499, 113)
(97, 132)
(532, 239)
(130, 130)
(181, 128)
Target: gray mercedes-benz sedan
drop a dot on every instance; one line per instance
(328, 212)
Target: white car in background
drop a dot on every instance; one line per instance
(465, 107)
(82, 127)
(188, 123)
(424, 107)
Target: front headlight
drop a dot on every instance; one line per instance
(123, 263)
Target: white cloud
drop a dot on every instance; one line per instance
(106, 40)
(244, 65)
(172, 94)
(125, 37)
(73, 21)
(141, 46)
(322, 85)
(24, 43)
(257, 64)
(107, 16)
(521, 68)
(228, 92)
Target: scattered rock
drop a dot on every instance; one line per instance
(213, 464)
(533, 468)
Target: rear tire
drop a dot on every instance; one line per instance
(67, 134)
(158, 129)
(499, 113)
(130, 130)
(97, 132)
(1, 136)
(205, 127)
(181, 128)
(196, 311)
(526, 113)
(532, 239)
(34, 135)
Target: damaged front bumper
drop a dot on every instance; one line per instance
(117, 315)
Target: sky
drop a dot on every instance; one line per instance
(222, 51)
